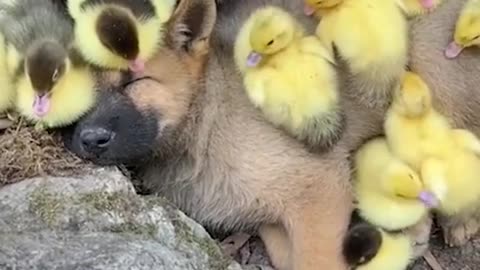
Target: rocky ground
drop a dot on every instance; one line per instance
(97, 221)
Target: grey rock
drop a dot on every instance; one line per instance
(97, 221)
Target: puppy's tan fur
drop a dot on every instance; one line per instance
(225, 166)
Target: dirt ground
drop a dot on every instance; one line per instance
(465, 258)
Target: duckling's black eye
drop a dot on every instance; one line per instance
(55, 75)
(476, 37)
(270, 42)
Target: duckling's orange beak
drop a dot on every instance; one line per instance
(308, 10)
(428, 4)
(453, 50)
(137, 66)
(41, 105)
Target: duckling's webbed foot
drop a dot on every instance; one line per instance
(458, 230)
(420, 236)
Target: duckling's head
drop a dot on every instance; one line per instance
(406, 183)
(272, 31)
(46, 62)
(310, 6)
(413, 97)
(361, 243)
(117, 31)
(467, 33)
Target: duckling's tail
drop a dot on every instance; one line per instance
(321, 132)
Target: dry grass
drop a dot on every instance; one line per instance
(26, 152)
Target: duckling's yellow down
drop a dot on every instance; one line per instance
(150, 34)
(371, 35)
(447, 157)
(296, 84)
(395, 253)
(386, 188)
(73, 95)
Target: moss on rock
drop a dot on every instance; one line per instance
(46, 205)
(216, 259)
(125, 206)
(109, 201)
(149, 230)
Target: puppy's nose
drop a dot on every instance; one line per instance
(96, 140)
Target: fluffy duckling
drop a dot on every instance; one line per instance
(371, 37)
(389, 193)
(411, 120)
(120, 34)
(366, 247)
(447, 158)
(467, 29)
(418, 7)
(290, 77)
(54, 86)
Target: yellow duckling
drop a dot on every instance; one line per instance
(59, 96)
(467, 29)
(371, 37)
(411, 119)
(389, 193)
(447, 158)
(290, 77)
(367, 247)
(54, 86)
(120, 34)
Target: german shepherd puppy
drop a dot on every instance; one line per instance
(195, 138)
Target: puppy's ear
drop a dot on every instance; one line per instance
(191, 25)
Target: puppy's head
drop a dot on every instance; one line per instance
(134, 118)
